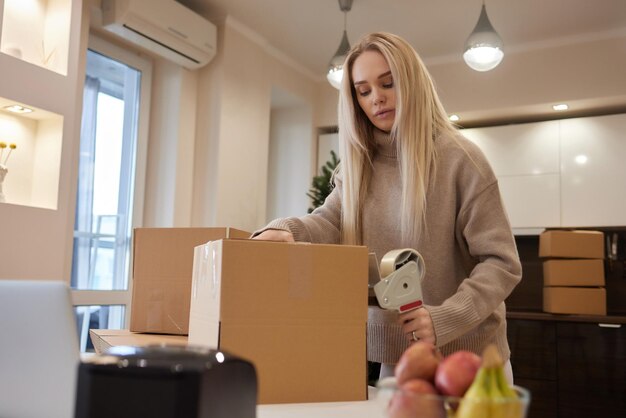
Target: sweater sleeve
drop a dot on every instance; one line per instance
(484, 226)
(322, 226)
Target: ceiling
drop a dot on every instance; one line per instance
(309, 31)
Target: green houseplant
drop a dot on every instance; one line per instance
(322, 184)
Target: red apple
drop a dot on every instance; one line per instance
(416, 398)
(456, 373)
(419, 386)
(419, 361)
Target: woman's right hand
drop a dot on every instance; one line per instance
(275, 235)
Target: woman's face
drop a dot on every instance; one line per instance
(375, 90)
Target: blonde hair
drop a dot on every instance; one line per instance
(420, 117)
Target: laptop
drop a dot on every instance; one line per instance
(39, 353)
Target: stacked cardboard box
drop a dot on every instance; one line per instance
(573, 272)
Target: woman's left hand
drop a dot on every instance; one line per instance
(417, 325)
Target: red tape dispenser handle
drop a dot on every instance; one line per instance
(400, 287)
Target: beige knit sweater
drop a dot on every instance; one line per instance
(469, 251)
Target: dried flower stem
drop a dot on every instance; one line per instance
(11, 148)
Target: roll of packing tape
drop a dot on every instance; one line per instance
(395, 259)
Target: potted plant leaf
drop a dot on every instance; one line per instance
(322, 184)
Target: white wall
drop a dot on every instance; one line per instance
(169, 176)
(289, 176)
(233, 129)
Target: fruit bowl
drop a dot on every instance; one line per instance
(398, 403)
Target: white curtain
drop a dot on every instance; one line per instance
(84, 201)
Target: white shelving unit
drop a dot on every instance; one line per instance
(42, 56)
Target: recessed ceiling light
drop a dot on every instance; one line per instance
(18, 109)
(454, 118)
(561, 106)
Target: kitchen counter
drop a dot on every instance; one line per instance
(543, 316)
(361, 409)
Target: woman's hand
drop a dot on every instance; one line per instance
(418, 325)
(275, 235)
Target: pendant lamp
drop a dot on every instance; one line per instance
(335, 67)
(483, 48)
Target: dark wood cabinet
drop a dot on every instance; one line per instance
(534, 361)
(532, 349)
(572, 369)
(592, 370)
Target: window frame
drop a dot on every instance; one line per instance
(144, 65)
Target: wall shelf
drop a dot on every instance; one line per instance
(38, 32)
(34, 166)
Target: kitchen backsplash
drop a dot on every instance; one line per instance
(528, 295)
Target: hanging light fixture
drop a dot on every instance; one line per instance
(335, 67)
(483, 48)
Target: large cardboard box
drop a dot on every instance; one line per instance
(162, 269)
(579, 272)
(574, 300)
(571, 244)
(297, 311)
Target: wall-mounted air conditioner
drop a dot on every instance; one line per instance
(164, 27)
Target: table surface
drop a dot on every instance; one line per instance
(360, 409)
(357, 409)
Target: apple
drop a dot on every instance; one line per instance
(456, 373)
(419, 361)
(416, 398)
(419, 386)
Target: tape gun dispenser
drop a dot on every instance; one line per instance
(400, 286)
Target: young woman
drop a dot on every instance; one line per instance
(409, 179)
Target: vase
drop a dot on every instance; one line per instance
(3, 174)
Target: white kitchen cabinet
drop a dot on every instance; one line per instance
(531, 201)
(565, 173)
(525, 158)
(593, 173)
(519, 150)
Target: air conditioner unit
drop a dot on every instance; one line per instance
(164, 27)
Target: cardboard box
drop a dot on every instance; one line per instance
(297, 311)
(574, 300)
(162, 269)
(573, 273)
(571, 244)
(103, 339)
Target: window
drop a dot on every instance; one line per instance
(111, 172)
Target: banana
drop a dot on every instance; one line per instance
(498, 404)
(513, 408)
(490, 395)
(475, 402)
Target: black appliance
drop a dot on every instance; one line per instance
(166, 382)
